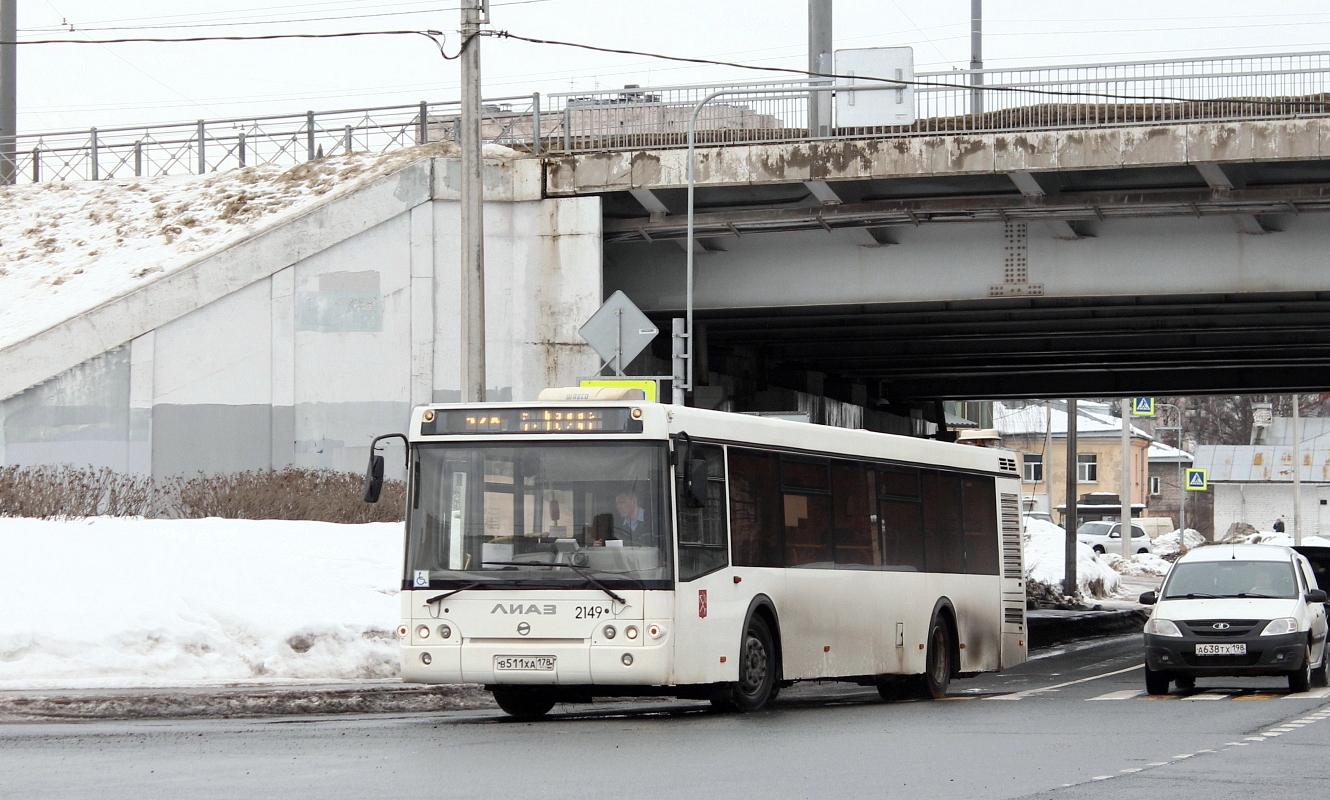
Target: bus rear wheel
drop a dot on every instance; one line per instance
(757, 671)
(524, 702)
(938, 669)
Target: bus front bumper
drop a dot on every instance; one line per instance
(574, 663)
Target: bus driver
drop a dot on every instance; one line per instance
(631, 525)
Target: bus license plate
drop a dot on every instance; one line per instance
(1239, 649)
(524, 663)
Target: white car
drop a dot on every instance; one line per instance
(1246, 609)
(1106, 537)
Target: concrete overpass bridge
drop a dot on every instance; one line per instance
(1083, 249)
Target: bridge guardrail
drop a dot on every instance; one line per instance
(1217, 88)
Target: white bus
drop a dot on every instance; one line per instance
(563, 551)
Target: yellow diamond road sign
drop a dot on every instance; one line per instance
(1197, 480)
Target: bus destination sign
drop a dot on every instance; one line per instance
(530, 420)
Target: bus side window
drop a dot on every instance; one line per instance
(756, 533)
(806, 503)
(900, 518)
(980, 523)
(944, 545)
(702, 543)
(852, 496)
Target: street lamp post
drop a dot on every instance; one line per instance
(680, 391)
(1182, 490)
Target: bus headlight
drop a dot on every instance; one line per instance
(627, 659)
(445, 631)
(609, 631)
(630, 632)
(403, 631)
(423, 632)
(655, 631)
(425, 659)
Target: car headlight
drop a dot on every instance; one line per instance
(1162, 627)
(1281, 626)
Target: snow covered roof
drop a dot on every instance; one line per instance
(1092, 419)
(1161, 453)
(1262, 462)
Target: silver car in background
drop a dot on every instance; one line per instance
(1106, 537)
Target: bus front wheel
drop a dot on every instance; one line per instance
(524, 702)
(757, 671)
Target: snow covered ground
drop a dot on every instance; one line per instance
(118, 602)
(66, 248)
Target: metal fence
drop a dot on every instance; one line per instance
(1081, 96)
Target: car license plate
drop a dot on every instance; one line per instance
(524, 663)
(1239, 649)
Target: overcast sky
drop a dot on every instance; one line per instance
(78, 86)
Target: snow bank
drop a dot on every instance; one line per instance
(68, 247)
(115, 602)
(1166, 544)
(1139, 565)
(1045, 562)
(1284, 539)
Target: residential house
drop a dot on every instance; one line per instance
(1098, 455)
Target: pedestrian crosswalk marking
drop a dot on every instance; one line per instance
(1127, 695)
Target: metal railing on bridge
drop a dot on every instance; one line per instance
(1284, 85)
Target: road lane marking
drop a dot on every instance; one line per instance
(1157, 764)
(1056, 686)
(1131, 769)
(1210, 696)
(1184, 755)
(1254, 738)
(1124, 695)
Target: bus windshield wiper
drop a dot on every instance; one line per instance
(585, 576)
(446, 595)
(1252, 594)
(1191, 596)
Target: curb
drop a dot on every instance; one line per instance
(1051, 626)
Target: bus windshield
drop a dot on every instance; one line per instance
(539, 514)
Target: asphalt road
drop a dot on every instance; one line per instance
(1073, 723)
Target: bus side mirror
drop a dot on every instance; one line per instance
(1317, 596)
(695, 482)
(1148, 599)
(373, 479)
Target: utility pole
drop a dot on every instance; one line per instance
(1069, 518)
(1048, 458)
(1297, 473)
(474, 12)
(976, 55)
(819, 60)
(8, 91)
(1126, 477)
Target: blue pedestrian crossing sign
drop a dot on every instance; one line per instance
(1197, 481)
(1142, 406)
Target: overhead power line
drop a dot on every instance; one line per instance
(437, 38)
(896, 81)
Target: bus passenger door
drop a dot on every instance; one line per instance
(709, 606)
